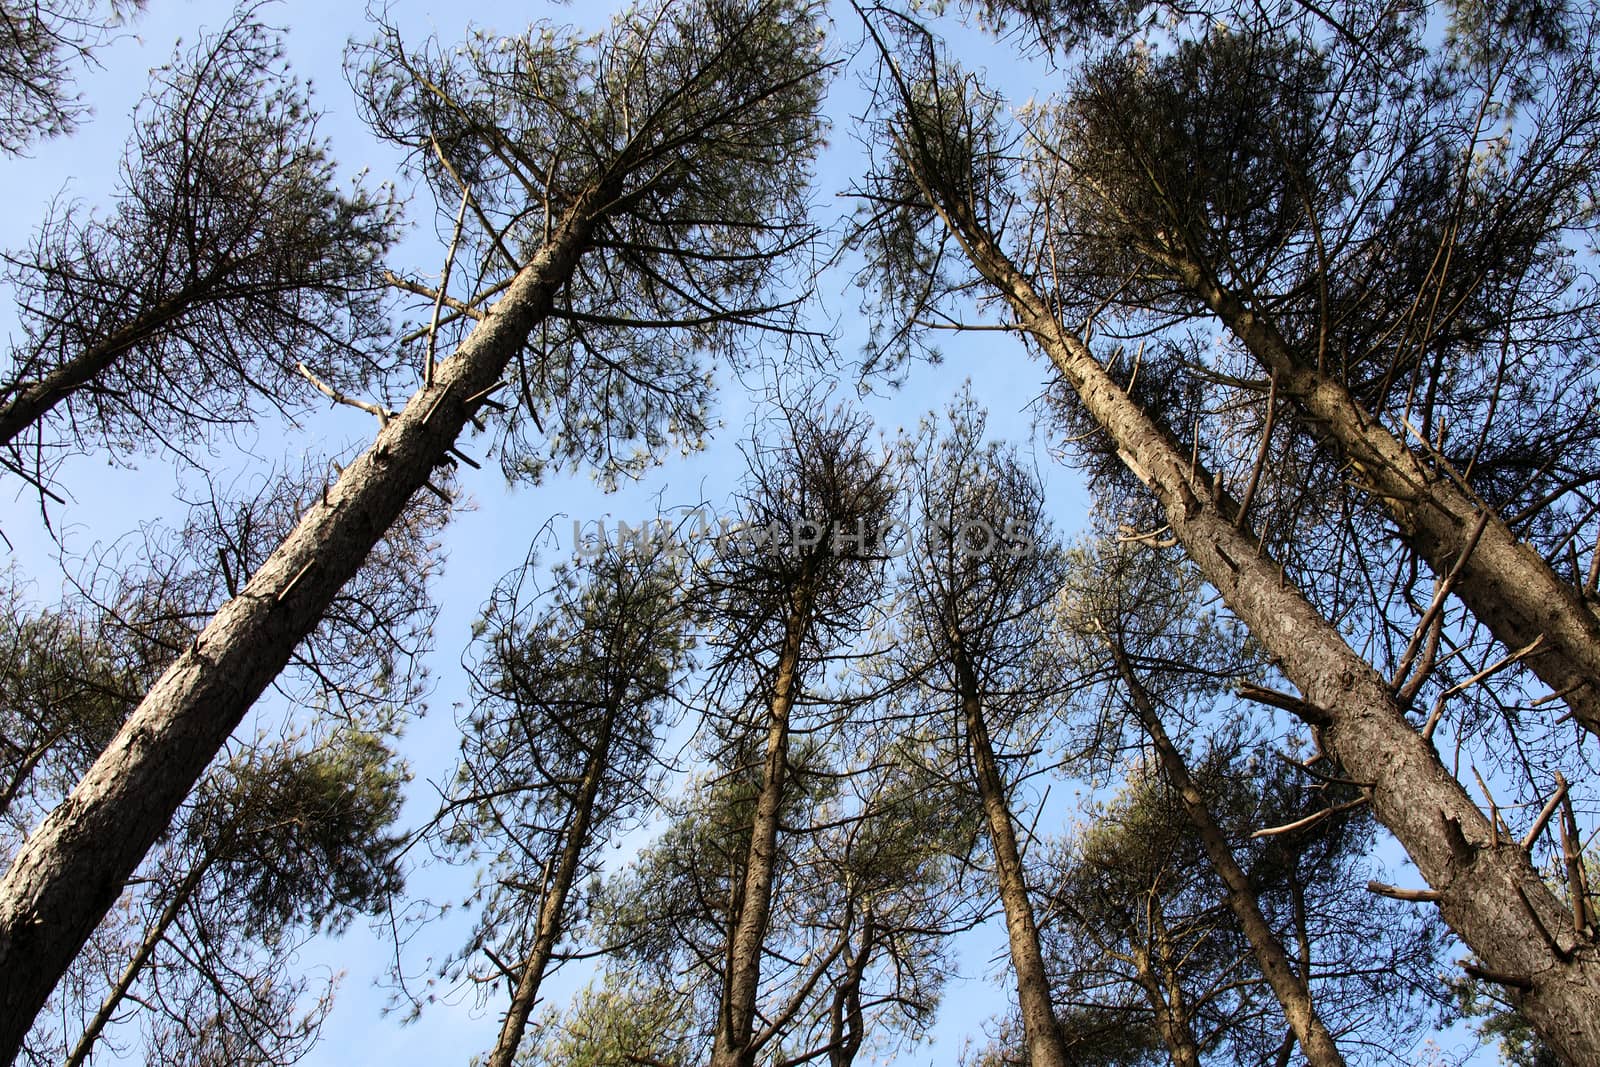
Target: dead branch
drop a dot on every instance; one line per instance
(1415, 896)
(1309, 820)
(1548, 810)
(383, 414)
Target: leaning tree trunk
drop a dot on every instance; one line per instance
(70, 872)
(1488, 890)
(1290, 987)
(1039, 1026)
(1504, 582)
(734, 1043)
(552, 909)
(30, 401)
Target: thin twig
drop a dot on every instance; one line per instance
(1261, 456)
(444, 284)
(1436, 608)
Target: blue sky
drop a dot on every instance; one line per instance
(491, 538)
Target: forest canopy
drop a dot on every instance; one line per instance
(1084, 537)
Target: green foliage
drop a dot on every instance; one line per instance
(615, 1022)
(700, 119)
(41, 42)
(302, 836)
(64, 690)
(1496, 1020)
(1185, 151)
(231, 256)
(575, 687)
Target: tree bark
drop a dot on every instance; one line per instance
(734, 1042)
(1489, 892)
(1290, 987)
(1040, 1029)
(1506, 584)
(552, 909)
(847, 1026)
(72, 869)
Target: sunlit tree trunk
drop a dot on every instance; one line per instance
(1042, 1035)
(1489, 892)
(1290, 987)
(1504, 582)
(74, 866)
(734, 1041)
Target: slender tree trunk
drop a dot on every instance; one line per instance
(27, 402)
(734, 1043)
(847, 1026)
(1504, 582)
(141, 958)
(552, 909)
(1489, 892)
(1184, 1047)
(1291, 988)
(1039, 1026)
(1165, 994)
(72, 869)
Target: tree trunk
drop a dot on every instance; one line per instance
(1292, 989)
(552, 909)
(847, 1026)
(1505, 583)
(1489, 892)
(72, 869)
(1039, 1027)
(1183, 1045)
(141, 958)
(31, 401)
(734, 1043)
(1172, 1019)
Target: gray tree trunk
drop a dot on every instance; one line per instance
(72, 869)
(1489, 892)
(1040, 1029)
(1290, 987)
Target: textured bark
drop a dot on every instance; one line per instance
(1288, 985)
(1489, 892)
(847, 1027)
(1505, 583)
(552, 909)
(1040, 1030)
(734, 1044)
(72, 869)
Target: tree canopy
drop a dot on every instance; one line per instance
(1216, 669)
